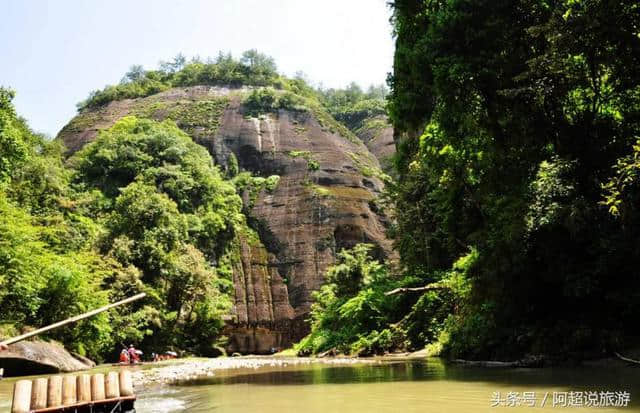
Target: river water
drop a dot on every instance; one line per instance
(393, 386)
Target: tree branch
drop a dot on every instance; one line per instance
(628, 360)
(429, 287)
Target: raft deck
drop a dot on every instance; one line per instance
(84, 393)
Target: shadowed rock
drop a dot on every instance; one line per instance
(38, 357)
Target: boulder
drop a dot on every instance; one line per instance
(28, 358)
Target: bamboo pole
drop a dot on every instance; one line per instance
(21, 397)
(112, 385)
(68, 390)
(97, 387)
(71, 320)
(126, 383)
(83, 387)
(54, 391)
(39, 394)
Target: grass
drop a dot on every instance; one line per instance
(342, 192)
(203, 113)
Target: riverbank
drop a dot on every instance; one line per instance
(192, 368)
(184, 370)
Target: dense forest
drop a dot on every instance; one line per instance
(130, 213)
(514, 196)
(517, 127)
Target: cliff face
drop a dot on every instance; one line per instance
(377, 135)
(324, 200)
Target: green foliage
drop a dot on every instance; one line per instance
(352, 106)
(49, 274)
(622, 190)
(14, 136)
(232, 166)
(312, 164)
(509, 117)
(253, 69)
(199, 117)
(351, 314)
(167, 204)
(142, 208)
(265, 100)
(251, 186)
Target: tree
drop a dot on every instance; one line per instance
(169, 214)
(14, 136)
(135, 73)
(174, 65)
(508, 117)
(258, 62)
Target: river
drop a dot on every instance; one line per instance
(391, 385)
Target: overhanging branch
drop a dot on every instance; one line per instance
(429, 287)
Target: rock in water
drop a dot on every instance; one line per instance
(325, 199)
(38, 357)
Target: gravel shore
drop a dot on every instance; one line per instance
(194, 368)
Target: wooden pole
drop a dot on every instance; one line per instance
(112, 385)
(83, 387)
(126, 383)
(97, 387)
(68, 390)
(54, 391)
(72, 320)
(39, 394)
(21, 397)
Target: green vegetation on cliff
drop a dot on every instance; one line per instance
(253, 69)
(168, 213)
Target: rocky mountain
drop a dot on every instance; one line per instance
(322, 196)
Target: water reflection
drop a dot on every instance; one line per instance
(323, 374)
(582, 378)
(392, 385)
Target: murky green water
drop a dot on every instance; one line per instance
(390, 386)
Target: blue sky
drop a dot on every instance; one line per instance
(53, 53)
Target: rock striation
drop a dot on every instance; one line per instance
(325, 199)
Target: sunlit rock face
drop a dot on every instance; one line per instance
(377, 135)
(325, 199)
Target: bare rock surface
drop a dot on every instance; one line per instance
(325, 199)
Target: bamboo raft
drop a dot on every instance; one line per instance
(84, 393)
